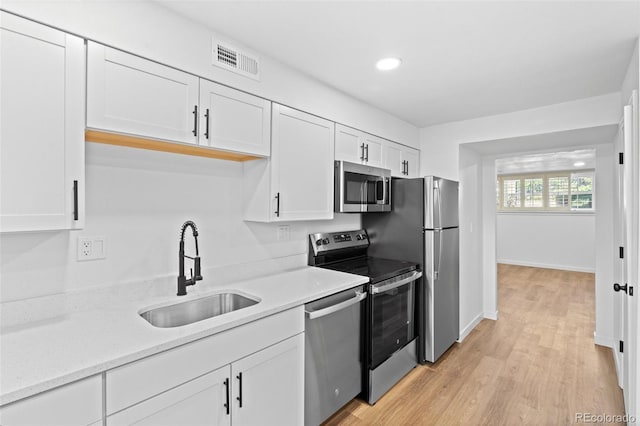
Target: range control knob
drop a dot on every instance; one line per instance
(325, 241)
(358, 237)
(319, 242)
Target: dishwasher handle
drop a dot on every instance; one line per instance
(359, 297)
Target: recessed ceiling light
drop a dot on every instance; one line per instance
(387, 64)
(578, 164)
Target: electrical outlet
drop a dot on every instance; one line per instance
(283, 233)
(91, 248)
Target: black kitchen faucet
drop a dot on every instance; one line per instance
(183, 282)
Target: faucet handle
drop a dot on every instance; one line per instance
(196, 265)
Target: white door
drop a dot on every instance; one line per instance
(199, 402)
(631, 199)
(619, 271)
(268, 386)
(132, 95)
(41, 127)
(233, 120)
(302, 165)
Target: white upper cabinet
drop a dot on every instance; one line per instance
(129, 94)
(41, 127)
(234, 120)
(402, 160)
(297, 182)
(358, 147)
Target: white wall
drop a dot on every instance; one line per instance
(138, 200)
(557, 241)
(152, 31)
(440, 143)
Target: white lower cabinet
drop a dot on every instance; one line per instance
(268, 386)
(198, 402)
(250, 375)
(78, 403)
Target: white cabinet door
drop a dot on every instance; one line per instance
(234, 120)
(268, 386)
(41, 127)
(358, 147)
(394, 159)
(402, 160)
(129, 94)
(349, 144)
(412, 157)
(373, 150)
(202, 401)
(301, 166)
(78, 403)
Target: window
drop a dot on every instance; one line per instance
(552, 191)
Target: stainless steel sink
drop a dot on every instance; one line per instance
(196, 310)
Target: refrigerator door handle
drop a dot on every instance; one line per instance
(436, 272)
(437, 223)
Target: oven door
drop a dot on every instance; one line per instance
(360, 188)
(391, 316)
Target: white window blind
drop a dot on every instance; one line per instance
(551, 191)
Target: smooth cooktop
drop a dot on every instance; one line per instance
(377, 269)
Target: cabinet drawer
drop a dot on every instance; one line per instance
(78, 403)
(132, 383)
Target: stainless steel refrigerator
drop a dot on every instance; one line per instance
(423, 227)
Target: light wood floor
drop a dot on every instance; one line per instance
(536, 365)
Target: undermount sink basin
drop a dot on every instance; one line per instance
(196, 310)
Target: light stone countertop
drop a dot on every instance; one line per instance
(39, 356)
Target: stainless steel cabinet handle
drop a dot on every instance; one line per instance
(366, 158)
(359, 297)
(362, 152)
(391, 286)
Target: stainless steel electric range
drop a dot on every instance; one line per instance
(389, 318)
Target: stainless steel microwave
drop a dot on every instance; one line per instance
(360, 188)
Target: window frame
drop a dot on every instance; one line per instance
(545, 176)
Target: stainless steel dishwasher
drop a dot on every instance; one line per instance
(333, 353)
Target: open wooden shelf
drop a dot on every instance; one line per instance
(158, 145)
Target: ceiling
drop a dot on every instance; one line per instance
(460, 59)
(565, 160)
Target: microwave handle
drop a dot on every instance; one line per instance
(385, 189)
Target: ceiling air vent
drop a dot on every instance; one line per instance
(235, 60)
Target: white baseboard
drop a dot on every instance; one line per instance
(469, 328)
(491, 315)
(603, 340)
(546, 265)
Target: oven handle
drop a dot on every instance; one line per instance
(359, 297)
(391, 286)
